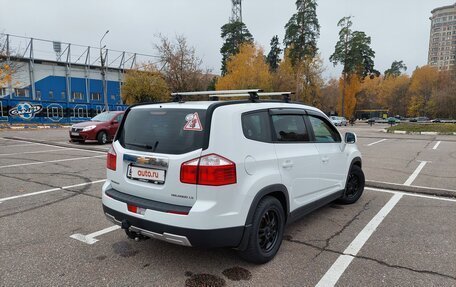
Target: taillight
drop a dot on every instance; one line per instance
(111, 159)
(189, 171)
(210, 169)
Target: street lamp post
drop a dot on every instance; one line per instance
(103, 74)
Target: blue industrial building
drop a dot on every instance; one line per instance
(62, 90)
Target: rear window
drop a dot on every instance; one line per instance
(170, 131)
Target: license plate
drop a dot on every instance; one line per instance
(143, 173)
(74, 134)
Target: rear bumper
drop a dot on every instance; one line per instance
(212, 238)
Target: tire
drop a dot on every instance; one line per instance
(354, 187)
(102, 137)
(267, 231)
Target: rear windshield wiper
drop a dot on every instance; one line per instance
(145, 146)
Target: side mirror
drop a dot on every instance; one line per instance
(350, 138)
(115, 122)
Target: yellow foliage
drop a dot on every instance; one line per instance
(309, 81)
(422, 85)
(246, 70)
(144, 85)
(303, 78)
(284, 79)
(394, 94)
(5, 74)
(352, 88)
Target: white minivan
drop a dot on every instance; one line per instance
(226, 173)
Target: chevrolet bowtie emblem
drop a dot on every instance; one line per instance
(142, 160)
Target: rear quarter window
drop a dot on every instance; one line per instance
(255, 126)
(168, 131)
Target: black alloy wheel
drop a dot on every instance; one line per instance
(354, 187)
(268, 231)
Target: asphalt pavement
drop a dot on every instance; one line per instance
(50, 199)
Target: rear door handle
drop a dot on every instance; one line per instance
(287, 164)
(325, 159)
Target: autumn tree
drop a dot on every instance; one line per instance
(7, 68)
(309, 80)
(395, 94)
(301, 56)
(422, 86)
(370, 94)
(144, 84)
(284, 79)
(181, 67)
(350, 88)
(329, 95)
(444, 97)
(246, 70)
(273, 57)
(234, 34)
(353, 51)
(397, 67)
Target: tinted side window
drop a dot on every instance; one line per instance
(323, 131)
(290, 128)
(256, 126)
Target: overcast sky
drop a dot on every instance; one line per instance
(399, 28)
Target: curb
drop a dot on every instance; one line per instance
(420, 133)
(412, 188)
(68, 145)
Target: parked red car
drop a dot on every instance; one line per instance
(101, 128)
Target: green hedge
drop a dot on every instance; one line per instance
(431, 127)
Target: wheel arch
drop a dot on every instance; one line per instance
(278, 191)
(356, 161)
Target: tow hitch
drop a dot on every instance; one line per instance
(132, 234)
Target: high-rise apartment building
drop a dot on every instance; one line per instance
(442, 42)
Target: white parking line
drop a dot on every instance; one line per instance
(39, 151)
(371, 144)
(90, 238)
(436, 145)
(19, 145)
(343, 261)
(411, 194)
(50, 161)
(50, 190)
(417, 171)
(54, 146)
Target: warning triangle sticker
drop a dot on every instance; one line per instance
(193, 123)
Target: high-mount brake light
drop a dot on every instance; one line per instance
(111, 159)
(211, 169)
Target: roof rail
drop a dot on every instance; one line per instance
(178, 97)
(254, 94)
